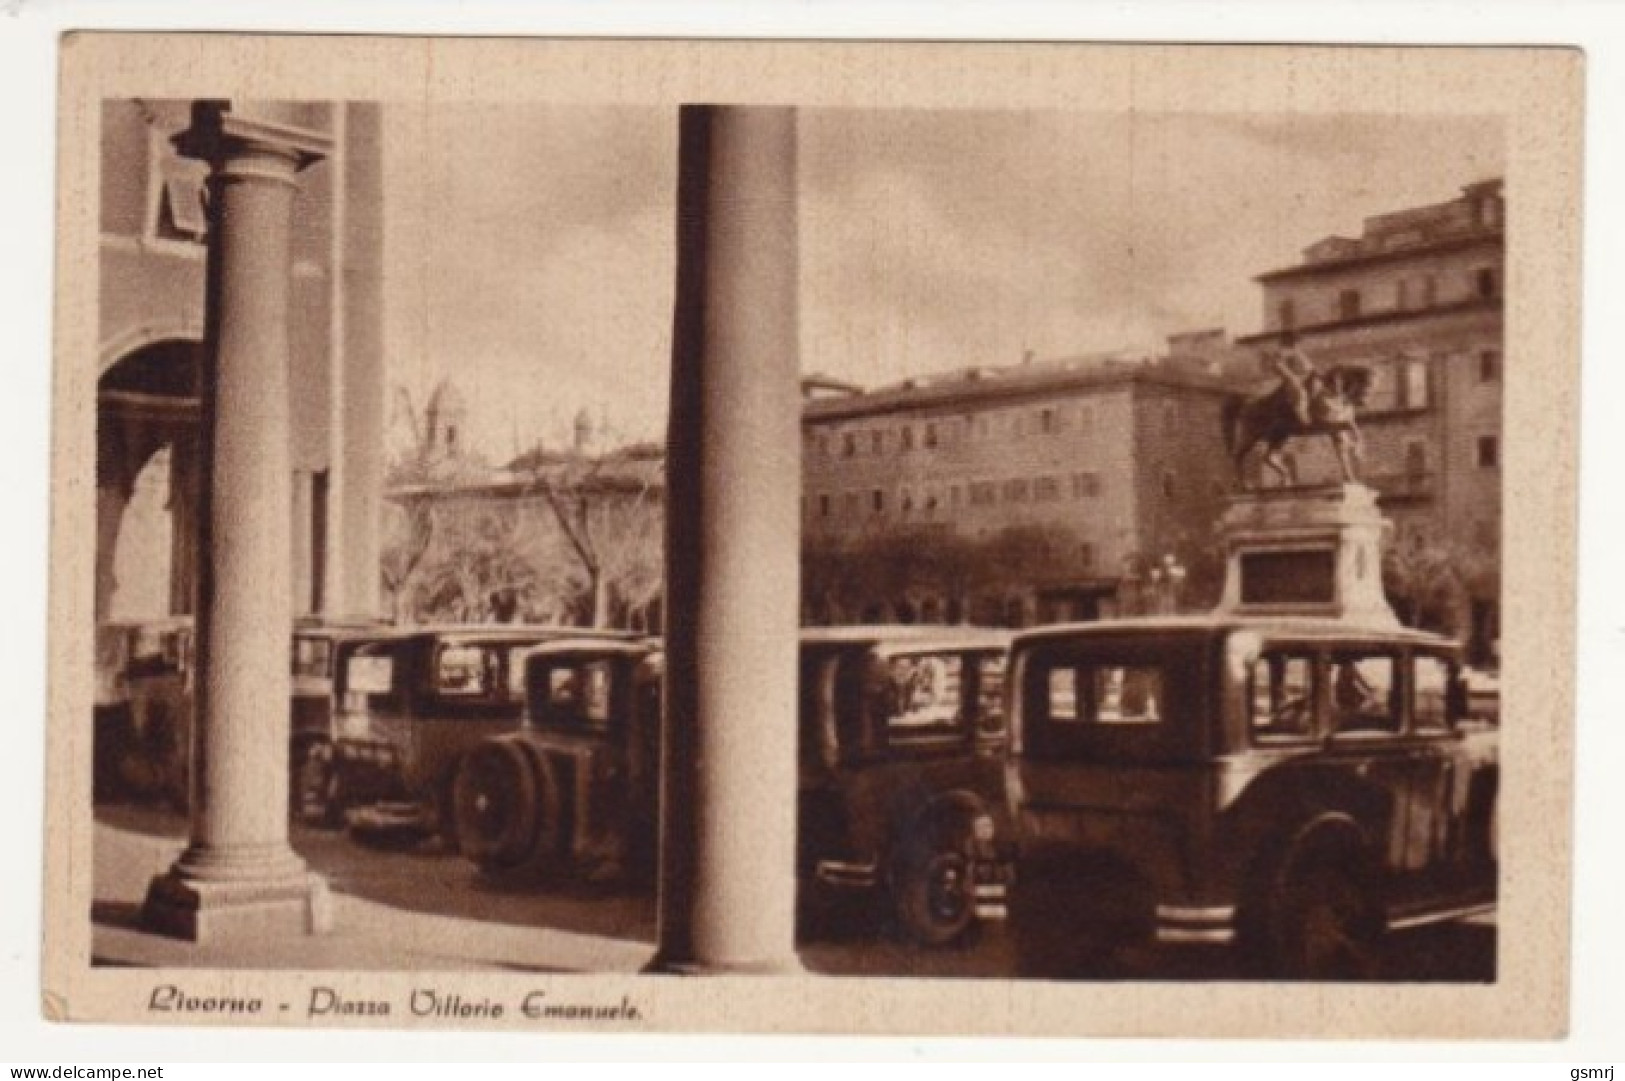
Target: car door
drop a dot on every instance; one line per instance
(1368, 737)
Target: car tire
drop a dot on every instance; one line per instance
(931, 887)
(505, 807)
(1322, 918)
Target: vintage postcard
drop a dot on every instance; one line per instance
(622, 536)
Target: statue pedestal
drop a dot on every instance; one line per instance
(1313, 552)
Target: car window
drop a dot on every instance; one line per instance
(516, 672)
(464, 671)
(1063, 694)
(1112, 695)
(1282, 697)
(371, 678)
(1430, 696)
(1136, 699)
(818, 743)
(920, 695)
(1363, 701)
(576, 694)
(312, 657)
(990, 694)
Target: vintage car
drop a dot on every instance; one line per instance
(410, 704)
(1290, 786)
(577, 785)
(317, 643)
(153, 749)
(158, 683)
(902, 749)
(901, 738)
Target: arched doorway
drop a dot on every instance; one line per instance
(147, 466)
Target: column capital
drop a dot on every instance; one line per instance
(221, 132)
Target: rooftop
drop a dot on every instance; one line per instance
(1096, 371)
(1299, 626)
(907, 636)
(1472, 217)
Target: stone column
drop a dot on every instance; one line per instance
(239, 877)
(356, 490)
(728, 800)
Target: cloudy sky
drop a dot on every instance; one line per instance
(529, 249)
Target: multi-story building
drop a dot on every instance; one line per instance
(1047, 490)
(154, 227)
(1417, 298)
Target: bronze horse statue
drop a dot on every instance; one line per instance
(1272, 418)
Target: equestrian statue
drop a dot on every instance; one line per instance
(1306, 401)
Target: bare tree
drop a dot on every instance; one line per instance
(607, 506)
(421, 466)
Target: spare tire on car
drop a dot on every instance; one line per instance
(506, 806)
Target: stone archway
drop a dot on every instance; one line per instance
(147, 402)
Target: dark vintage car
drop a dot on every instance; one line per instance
(1293, 787)
(901, 737)
(148, 749)
(577, 786)
(317, 645)
(158, 681)
(410, 704)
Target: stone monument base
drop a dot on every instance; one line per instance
(1306, 552)
(202, 909)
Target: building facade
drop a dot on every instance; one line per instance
(154, 226)
(1050, 490)
(1418, 299)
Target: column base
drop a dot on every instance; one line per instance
(205, 911)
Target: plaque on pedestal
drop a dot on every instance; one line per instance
(1313, 552)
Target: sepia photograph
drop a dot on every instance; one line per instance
(918, 546)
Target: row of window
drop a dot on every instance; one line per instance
(949, 431)
(984, 493)
(1408, 294)
(1363, 695)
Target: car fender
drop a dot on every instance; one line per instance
(942, 812)
(1288, 803)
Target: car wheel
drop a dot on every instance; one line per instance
(933, 892)
(1325, 922)
(505, 813)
